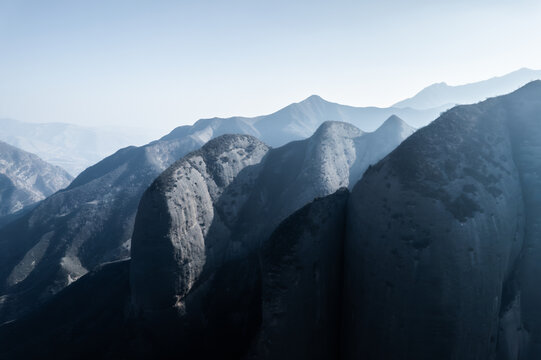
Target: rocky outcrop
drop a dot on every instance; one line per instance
(25, 179)
(185, 220)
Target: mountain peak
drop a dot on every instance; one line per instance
(336, 128)
(441, 94)
(523, 70)
(394, 122)
(313, 99)
(224, 143)
(438, 85)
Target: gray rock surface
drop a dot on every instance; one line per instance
(441, 239)
(184, 222)
(26, 179)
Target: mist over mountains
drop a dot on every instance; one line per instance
(320, 231)
(441, 94)
(72, 147)
(75, 148)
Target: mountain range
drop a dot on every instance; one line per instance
(25, 179)
(91, 221)
(75, 148)
(441, 94)
(208, 242)
(432, 255)
(72, 147)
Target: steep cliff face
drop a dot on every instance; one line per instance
(26, 179)
(301, 272)
(520, 336)
(185, 219)
(441, 256)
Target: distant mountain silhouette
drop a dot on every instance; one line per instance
(26, 179)
(441, 94)
(72, 147)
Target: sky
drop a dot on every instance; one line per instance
(161, 64)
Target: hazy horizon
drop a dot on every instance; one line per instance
(165, 64)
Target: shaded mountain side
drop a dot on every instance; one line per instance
(225, 316)
(302, 280)
(86, 321)
(25, 179)
(442, 258)
(336, 156)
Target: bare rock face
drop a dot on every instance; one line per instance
(25, 179)
(441, 240)
(301, 271)
(184, 220)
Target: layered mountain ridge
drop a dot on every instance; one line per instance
(441, 94)
(72, 147)
(434, 254)
(225, 219)
(91, 222)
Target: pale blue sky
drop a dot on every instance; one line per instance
(167, 63)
